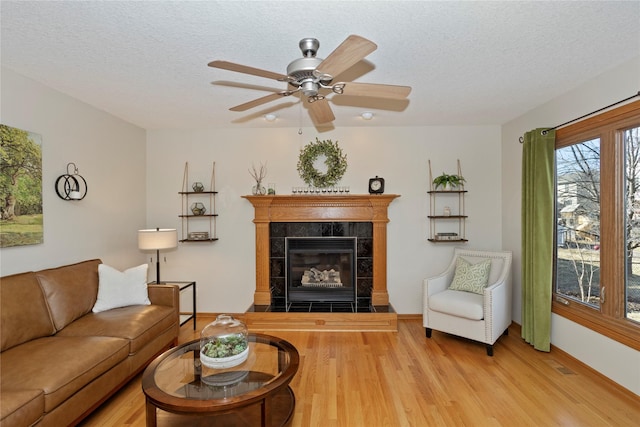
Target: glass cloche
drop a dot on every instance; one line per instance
(223, 343)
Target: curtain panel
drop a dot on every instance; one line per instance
(538, 174)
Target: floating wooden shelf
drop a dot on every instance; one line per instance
(208, 199)
(197, 192)
(437, 221)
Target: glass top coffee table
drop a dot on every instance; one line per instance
(256, 392)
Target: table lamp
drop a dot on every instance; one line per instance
(156, 239)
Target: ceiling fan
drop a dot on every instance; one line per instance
(309, 74)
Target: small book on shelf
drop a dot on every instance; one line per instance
(447, 236)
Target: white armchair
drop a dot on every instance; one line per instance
(479, 317)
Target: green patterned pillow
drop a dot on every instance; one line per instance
(471, 277)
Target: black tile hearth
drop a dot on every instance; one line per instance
(362, 306)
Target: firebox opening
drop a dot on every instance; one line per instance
(320, 269)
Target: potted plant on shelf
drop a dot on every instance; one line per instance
(448, 182)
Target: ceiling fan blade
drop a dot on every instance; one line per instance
(225, 65)
(320, 111)
(352, 50)
(372, 90)
(245, 86)
(247, 105)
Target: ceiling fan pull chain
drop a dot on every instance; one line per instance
(300, 118)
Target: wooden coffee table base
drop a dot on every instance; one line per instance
(279, 409)
(253, 393)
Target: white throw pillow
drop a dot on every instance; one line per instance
(471, 277)
(121, 288)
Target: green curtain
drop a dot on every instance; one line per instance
(537, 236)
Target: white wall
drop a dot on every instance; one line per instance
(616, 361)
(225, 270)
(110, 155)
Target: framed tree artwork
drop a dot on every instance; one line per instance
(20, 187)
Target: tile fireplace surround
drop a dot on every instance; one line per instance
(321, 208)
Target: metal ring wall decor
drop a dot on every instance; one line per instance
(336, 163)
(71, 186)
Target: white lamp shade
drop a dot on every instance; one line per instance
(154, 239)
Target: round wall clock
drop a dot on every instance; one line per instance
(376, 185)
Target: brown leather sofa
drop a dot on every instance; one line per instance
(59, 360)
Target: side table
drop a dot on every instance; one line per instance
(184, 285)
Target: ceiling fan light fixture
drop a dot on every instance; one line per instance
(270, 117)
(367, 115)
(309, 88)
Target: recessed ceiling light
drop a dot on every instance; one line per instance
(270, 117)
(367, 115)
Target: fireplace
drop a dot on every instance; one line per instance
(360, 216)
(356, 238)
(320, 269)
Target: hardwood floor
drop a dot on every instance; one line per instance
(404, 379)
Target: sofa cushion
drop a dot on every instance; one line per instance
(121, 288)
(60, 366)
(139, 324)
(21, 407)
(19, 321)
(458, 303)
(70, 291)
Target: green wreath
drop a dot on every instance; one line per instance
(336, 163)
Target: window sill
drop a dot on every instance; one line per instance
(623, 331)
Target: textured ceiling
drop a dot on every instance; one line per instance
(468, 62)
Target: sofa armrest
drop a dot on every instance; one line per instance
(168, 295)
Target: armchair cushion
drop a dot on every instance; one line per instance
(471, 277)
(457, 303)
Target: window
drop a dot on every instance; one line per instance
(597, 255)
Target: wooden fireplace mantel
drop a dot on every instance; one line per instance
(322, 208)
